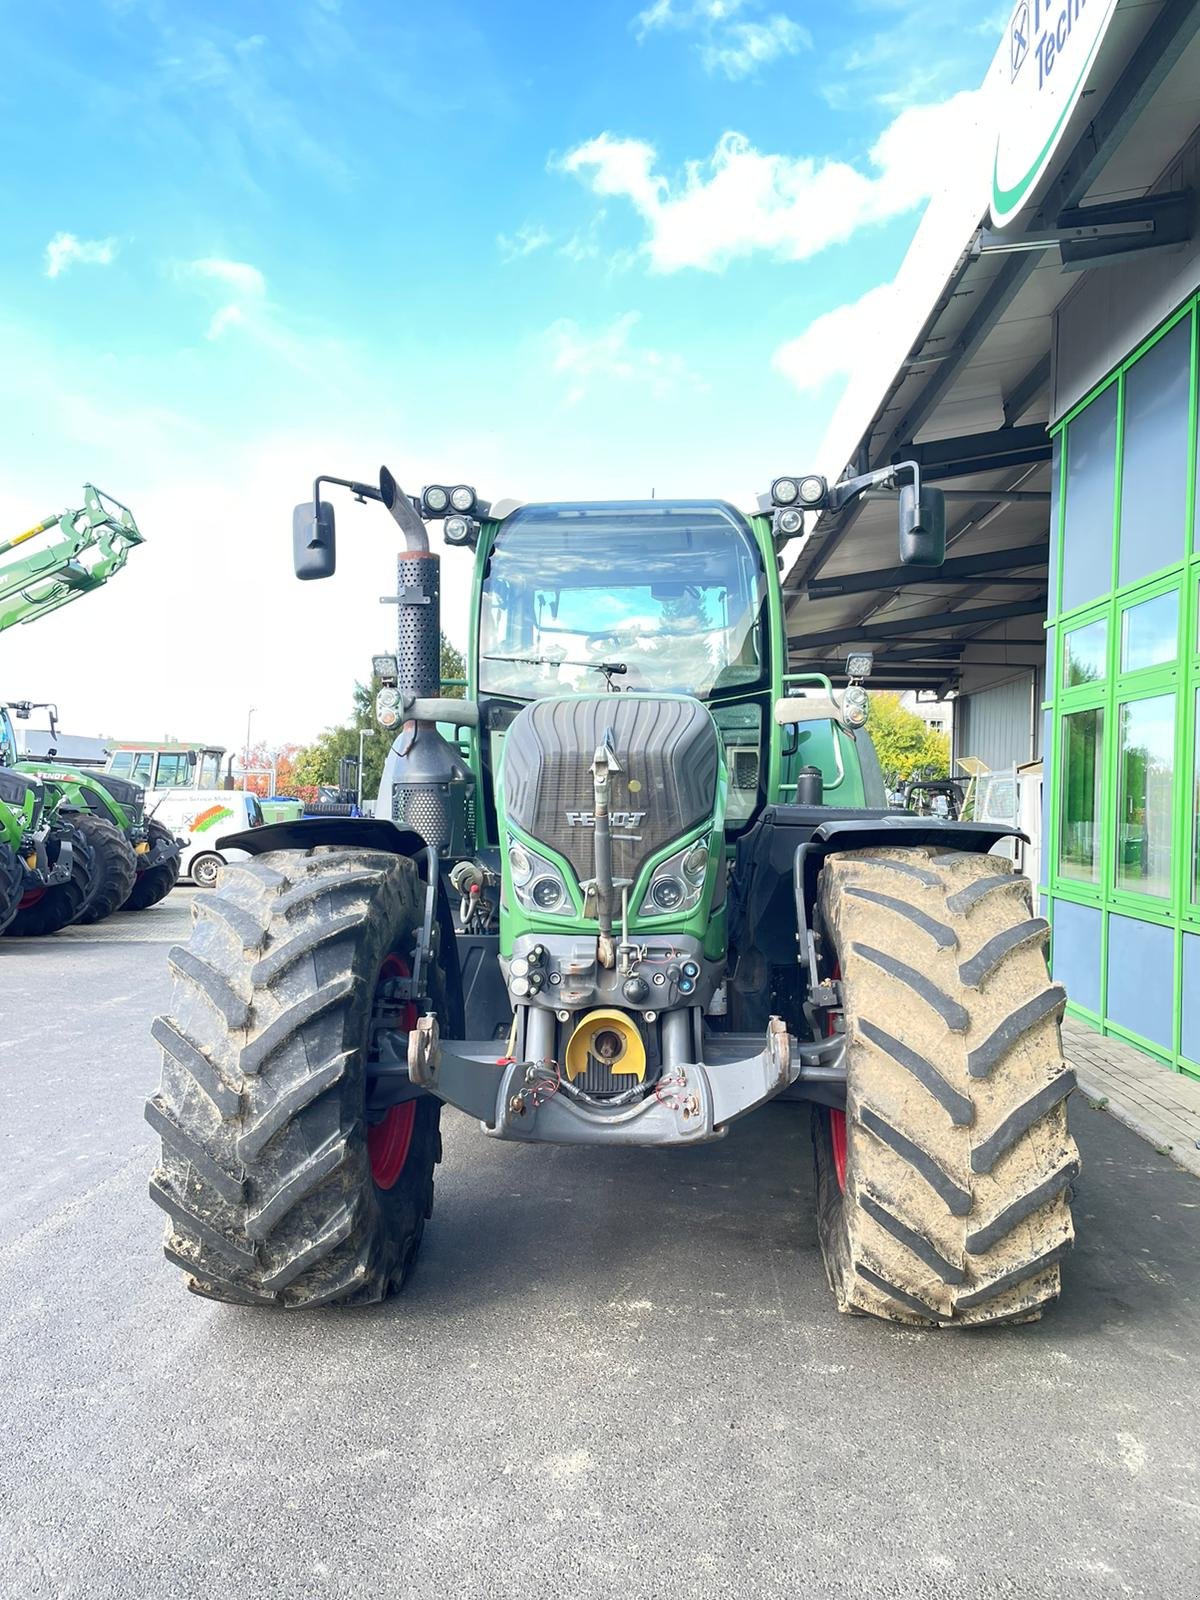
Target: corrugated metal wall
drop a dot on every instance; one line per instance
(998, 725)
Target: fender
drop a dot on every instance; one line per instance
(866, 832)
(774, 883)
(365, 833)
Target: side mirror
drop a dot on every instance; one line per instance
(314, 547)
(922, 527)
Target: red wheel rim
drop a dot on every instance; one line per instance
(389, 1139)
(837, 1134)
(31, 898)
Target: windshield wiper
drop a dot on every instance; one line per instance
(608, 668)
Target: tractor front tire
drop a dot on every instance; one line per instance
(155, 883)
(116, 866)
(943, 1197)
(47, 911)
(12, 880)
(275, 1189)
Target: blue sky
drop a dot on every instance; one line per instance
(554, 250)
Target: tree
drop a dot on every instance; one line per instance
(320, 761)
(453, 666)
(905, 745)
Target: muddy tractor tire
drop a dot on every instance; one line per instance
(156, 883)
(278, 1188)
(12, 875)
(47, 911)
(116, 866)
(943, 1195)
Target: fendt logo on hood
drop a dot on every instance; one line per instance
(619, 819)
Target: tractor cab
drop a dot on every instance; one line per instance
(639, 597)
(169, 765)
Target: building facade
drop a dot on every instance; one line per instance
(1040, 363)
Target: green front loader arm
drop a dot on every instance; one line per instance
(92, 543)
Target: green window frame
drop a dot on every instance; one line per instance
(1130, 678)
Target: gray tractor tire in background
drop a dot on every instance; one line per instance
(155, 883)
(58, 907)
(116, 866)
(958, 1164)
(12, 878)
(266, 1175)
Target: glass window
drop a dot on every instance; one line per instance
(1146, 768)
(1196, 808)
(1085, 654)
(1088, 513)
(174, 771)
(141, 769)
(210, 770)
(1148, 632)
(654, 596)
(1080, 801)
(1055, 476)
(1154, 465)
(121, 764)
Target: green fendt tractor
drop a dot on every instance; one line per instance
(46, 865)
(129, 863)
(654, 885)
(136, 860)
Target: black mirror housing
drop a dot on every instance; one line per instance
(922, 526)
(314, 544)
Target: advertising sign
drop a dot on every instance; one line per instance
(1051, 47)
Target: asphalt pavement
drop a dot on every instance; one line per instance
(614, 1373)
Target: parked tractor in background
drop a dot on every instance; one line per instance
(679, 894)
(96, 853)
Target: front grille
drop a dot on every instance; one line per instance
(668, 750)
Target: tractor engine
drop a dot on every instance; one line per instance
(611, 810)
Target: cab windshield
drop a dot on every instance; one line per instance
(653, 596)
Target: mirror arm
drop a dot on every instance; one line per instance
(360, 491)
(841, 494)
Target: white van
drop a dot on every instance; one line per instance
(182, 792)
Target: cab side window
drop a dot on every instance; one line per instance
(121, 764)
(174, 772)
(141, 769)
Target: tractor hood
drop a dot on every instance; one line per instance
(667, 751)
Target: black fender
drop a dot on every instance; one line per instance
(366, 833)
(779, 861)
(867, 833)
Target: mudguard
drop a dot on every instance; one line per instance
(779, 861)
(363, 833)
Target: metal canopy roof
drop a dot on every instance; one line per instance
(972, 402)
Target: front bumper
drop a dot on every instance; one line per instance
(159, 853)
(693, 1102)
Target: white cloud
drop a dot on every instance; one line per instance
(527, 239)
(835, 343)
(611, 355)
(242, 287)
(724, 43)
(742, 200)
(66, 250)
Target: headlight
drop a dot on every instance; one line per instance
(855, 706)
(387, 716)
(462, 498)
(784, 491)
(436, 499)
(789, 522)
(813, 490)
(537, 883)
(387, 697)
(677, 884)
(457, 530)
